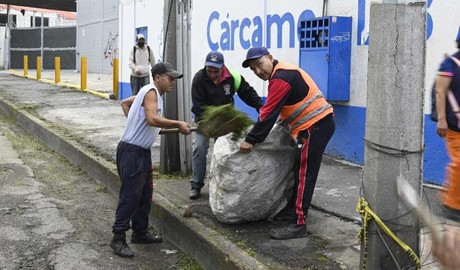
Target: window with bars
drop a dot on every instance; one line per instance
(4, 20)
(38, 21)
(314, 33)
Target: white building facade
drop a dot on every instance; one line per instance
(27, 17)
(98, 34)
(234, 26)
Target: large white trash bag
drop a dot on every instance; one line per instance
(249, 187)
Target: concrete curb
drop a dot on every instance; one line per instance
(205, 245)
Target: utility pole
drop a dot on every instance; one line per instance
(184, 85)
(175, 150)
(169, 150)
(394, 128)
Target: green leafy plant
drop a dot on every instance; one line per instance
(221, 120)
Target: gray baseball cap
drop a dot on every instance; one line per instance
(166, 68)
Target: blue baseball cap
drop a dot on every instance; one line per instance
(254, 53)
(458, 35)
(214, 59)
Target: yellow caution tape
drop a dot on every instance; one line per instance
(367, 214)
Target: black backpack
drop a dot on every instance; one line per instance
(434, 113)
(134, 53)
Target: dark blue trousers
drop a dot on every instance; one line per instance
(134, 166)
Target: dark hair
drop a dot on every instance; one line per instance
(458, 44)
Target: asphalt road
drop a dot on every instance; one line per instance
(54, 216)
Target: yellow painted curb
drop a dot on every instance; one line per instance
(68, 85)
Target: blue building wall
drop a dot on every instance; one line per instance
(435, 158)
(347, 142)
(124, 90)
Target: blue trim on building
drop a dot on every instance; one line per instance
(361, 23)
(251, 112)
(124, 90)
(435, 158)
(347, 142)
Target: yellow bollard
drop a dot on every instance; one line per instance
(57, 69)
(39, 67)
(83, 73)
(115, 78)
(26, 65)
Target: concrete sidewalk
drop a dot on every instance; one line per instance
(97, 84)
(86, 129)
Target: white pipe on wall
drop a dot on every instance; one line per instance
(120, 46)
(6, 58)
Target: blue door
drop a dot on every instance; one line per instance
(143, 31)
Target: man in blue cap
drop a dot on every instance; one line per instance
(448, 127)
(295, 98)
(214, 85)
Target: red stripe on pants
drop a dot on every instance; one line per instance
(301, 186)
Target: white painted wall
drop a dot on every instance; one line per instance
(2, 46)
(236, 11)
(54, 19)
(98, 33)
(150, 13)
(135, 14)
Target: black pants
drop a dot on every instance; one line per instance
(309, 154)
(134, 166)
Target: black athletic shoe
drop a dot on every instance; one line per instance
(120, 247)
(194, 194)
(146, 239)
(288, 232)
(285, 215)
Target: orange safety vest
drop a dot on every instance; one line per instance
(308, 111)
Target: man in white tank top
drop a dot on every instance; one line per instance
(134, 159)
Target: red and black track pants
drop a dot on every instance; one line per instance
(309, 153)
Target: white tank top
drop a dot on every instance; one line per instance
(137, 131)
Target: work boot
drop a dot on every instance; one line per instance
(146, 239)
(288, 232)
(119, 246)
(194, 194)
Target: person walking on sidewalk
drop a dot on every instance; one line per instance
(296, 99)
(448, 127)
(134, 161)
(140, 59)
(214, 85)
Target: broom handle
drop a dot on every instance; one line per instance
(175, 130)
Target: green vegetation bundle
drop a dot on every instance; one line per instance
(221, 120)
